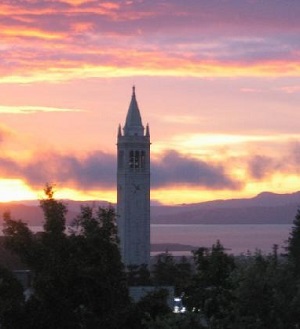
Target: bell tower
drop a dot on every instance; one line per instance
(133, 190)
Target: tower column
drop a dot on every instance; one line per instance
(133, 190)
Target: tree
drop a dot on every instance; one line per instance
(11, 301)
(293, 247)
(150, 307)
(168, 271)
(184, 273)
(164, 269)
(79, 281)
(138, 275)
(265, 294)
(18, 238)
(154, 304)
(176, 321)
(210, 292)
(213, 265)
(104, 293)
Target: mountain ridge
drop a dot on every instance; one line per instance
(264, 208)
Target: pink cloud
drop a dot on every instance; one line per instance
(62, 36)
(292, 89)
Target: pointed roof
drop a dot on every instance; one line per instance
(133, 125)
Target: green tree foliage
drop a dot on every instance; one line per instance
(11, 301)
(164, 269)
(210, 292)
(18, 238)
(154, 304)
(293, 247)
(265, 295)
(54, 215)
(79, 280)
(213, 265)
(168, 271)
(138, 275)
(176, 321)
(104, 293)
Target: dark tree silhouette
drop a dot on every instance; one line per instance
(78, 278)
(210, 292)
(293, 246)
(11, 301)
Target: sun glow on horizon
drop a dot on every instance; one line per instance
(77, 195)
(188, 195)
(77, 70)
(15, 190)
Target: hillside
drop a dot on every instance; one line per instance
(31, 213)
(265, 208)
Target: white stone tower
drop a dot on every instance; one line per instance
(133, 179)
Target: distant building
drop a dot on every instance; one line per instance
(133, 188)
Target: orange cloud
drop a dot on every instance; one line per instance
(75, 2)
(292, 89)
(25, 9)
(60, 40)
(137, 64)
(29, 33)
(82, 27)
(15, 10)
(33, 109)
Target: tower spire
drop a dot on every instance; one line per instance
(133, 125)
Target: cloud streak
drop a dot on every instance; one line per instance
(59, 40)
(33, 109)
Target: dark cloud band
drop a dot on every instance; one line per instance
(97, 170)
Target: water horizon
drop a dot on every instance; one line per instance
(236, 238)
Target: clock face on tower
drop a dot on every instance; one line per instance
(136, 188)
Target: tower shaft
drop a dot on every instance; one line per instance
(133, 190)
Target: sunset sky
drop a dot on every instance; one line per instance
(218, 81)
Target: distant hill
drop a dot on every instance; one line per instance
(31, 213)
(265, 208)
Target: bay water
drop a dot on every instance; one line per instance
(236, 238)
